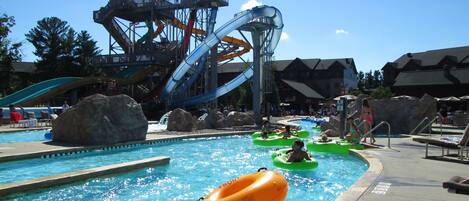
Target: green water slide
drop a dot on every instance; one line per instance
(43, 91)
(36, 90)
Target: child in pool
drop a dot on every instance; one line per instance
(265, 130)
(288, 132)
(297, 154)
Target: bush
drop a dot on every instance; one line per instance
(382, 93)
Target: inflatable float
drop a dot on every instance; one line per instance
(260, 186)
(48, 135)
(332, 146)
(274, 141)
(300, 134)
(280, 157)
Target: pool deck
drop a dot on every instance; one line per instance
(407, 175)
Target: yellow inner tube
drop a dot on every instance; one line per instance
(260, 186)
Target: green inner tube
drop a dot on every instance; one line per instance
(340, 147)
(300, 134)
(280, 157)
(274, 141)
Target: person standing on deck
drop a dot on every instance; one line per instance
(65, 107)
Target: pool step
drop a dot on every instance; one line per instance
(70, 177)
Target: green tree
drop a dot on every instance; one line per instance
(52, 39)
(369, 80)
(361, 80)
(378, 78)
(382, 92)
(9, 52)
(85, 50)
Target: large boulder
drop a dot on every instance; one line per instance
(239, 119)
(403, 115)
(181, 120)
(214, 119)
(101, 120)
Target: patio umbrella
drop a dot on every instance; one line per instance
(466, 97)
(448, 99)
(348, 97)
(404, 97)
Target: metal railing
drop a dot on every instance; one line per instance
(427, 125)
(376, 127)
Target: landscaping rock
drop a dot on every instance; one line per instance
(181, 120)
(239, 119)
(101, 120)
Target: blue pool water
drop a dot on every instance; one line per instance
(307, 125)
(196, 168)
(26, 136)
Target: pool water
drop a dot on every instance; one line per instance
(307, 125)
(196, 168)
(25, 136)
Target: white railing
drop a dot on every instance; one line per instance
(427, 125)
(376, 127)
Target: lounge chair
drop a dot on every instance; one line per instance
(45, 119)
(460, 144)
(454, 184)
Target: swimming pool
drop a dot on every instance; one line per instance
(24, 136)
(197, 166)
(307, 125)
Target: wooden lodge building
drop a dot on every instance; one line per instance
(440, 73)
(305, 82)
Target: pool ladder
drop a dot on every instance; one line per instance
(427, 125)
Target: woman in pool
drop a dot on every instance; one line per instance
(297, 154)
(367, 116)
(354, 135)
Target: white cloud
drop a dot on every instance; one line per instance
(251, 4)
(341, 32)
(284, 36)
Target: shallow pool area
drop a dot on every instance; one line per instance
(197, 166)
(23, 136)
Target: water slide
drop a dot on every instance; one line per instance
(266, 12)
(43, 91)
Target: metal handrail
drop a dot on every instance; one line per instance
(429, 124)
(376, 127)
(418, 125)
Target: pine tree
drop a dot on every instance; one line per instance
(51, 38)
(85, 50)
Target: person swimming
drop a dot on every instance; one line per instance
(297, 154)
(266, 130)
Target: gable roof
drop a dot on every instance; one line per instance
(434, 57)
(281, 65)
(303, 89)
(432, 77)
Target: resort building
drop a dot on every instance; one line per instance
(440, 73)
(304, 82)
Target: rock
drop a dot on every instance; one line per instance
(239, 119)
(101, 120)
(214, 119)
(181, 120)
(403, 115)
(331, 133)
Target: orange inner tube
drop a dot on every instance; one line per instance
(260, 186)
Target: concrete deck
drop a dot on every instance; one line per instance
(407, 175)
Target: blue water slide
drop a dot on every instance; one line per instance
(240, 19)
(36, 90)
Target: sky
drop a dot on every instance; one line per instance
(372, 32)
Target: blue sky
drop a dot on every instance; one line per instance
(372, 32)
